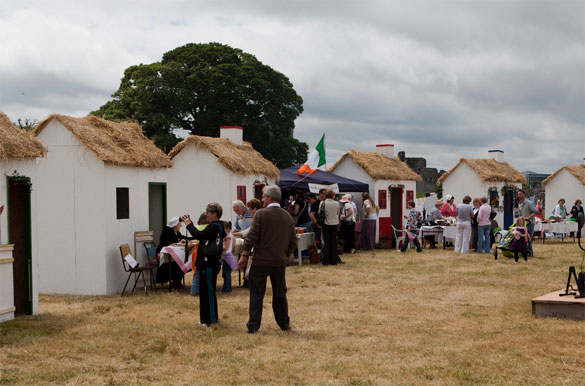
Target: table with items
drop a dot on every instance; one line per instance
(176, 253)
(560, 228)
(440, 232)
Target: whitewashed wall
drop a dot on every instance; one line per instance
(465, 181)
(198, 178)
(80, 235)
(7, 308)
(563, 185)
(26, 168)
(121, 231)
(71, 206)
(349, 169)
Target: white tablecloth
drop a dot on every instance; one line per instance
(304, 240)
(439, 231)
(178, 255)
(562, 228)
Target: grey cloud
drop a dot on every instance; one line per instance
(440, 79)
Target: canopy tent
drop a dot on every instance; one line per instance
(289, 179)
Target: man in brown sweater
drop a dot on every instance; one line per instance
(273, 237)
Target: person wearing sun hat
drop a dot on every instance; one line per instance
(347, 219)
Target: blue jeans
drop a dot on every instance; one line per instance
(530, 228)
(195, 284)
(406, 242)
(226, 273)
(484, 242)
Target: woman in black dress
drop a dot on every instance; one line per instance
(170, 235)
(208, 265)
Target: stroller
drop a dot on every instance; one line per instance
(505, 243)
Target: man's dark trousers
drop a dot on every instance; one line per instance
(257, 282)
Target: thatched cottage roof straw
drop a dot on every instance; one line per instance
(240, 159)
(379, 166)
(18, 143)
(577, 171)
(115, 143)
(488, 169)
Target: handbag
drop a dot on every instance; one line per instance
(321, 216)
(410, 236)
(214, 248)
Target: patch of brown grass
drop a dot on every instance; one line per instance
(382, 318)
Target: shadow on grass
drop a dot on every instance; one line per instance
(25, 329)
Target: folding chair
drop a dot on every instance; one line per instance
(137, 270)
(152, 261)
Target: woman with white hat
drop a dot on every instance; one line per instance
(449, 209)
(170, 235)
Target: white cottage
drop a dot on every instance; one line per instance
(18, 226)
(392, 183)
(207, 169)
(100, 182)
(484, 177)
(569, 183)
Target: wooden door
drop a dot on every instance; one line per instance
(396, 208)
(19, 234)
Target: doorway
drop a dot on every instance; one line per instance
(157, 208)
(396, 208)
(19, 234)
(258, 191)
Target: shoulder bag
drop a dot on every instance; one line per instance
(321, 216)
(214, 248)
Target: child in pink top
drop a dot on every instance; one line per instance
(521, 238)
(229, 261)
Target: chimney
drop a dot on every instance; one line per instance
(498, 155)
(386, 149)
(233, 133)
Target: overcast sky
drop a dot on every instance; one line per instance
(438, 79)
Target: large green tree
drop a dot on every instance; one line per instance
(200, 87)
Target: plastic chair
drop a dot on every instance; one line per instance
(137, 270)
(398, 238)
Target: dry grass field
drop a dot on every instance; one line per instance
(381, 318)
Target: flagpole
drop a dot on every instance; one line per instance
(301, 180)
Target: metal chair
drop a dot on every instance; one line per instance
(152, 261)
(137, 270)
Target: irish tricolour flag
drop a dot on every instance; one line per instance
(316, 159)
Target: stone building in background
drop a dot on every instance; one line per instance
(429, 176)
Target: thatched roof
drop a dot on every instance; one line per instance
(379, 166)
(242, 159)
(115, 143)
(488, 169)
(18, 143)
(577, 171)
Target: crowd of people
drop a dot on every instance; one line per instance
(260, 242)
(269, 238)
(340, 216)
